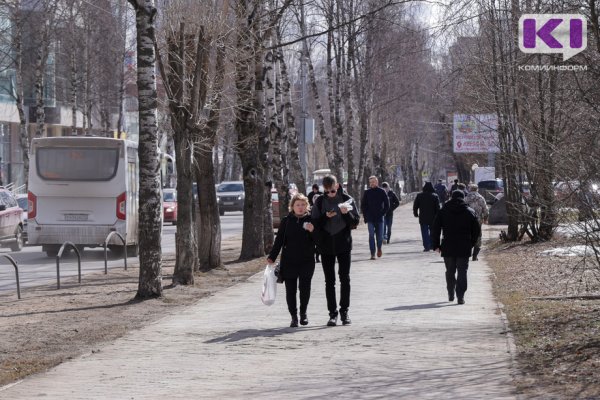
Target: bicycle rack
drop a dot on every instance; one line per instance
(14, 263)
(106, 254)
(59, 255)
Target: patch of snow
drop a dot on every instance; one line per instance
(573, 251)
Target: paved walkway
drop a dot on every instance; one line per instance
(406, 341)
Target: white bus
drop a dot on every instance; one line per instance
(80, 190)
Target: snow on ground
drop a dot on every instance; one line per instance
(573, 251)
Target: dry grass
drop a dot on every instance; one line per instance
(558, 340)
(49, 326)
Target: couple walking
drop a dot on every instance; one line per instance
(327, 226)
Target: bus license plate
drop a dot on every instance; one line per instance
(228, 203)
(76, 217)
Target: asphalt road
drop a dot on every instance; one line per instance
(35, 268)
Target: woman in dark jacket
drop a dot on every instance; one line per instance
(425, 207)
(297, 258)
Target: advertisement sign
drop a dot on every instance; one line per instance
(477, 133)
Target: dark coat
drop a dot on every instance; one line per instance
(341, 242)
(457, 221)
(374, 205)
(297, 257)
(313, 194)
(426, 205)
(394, 202)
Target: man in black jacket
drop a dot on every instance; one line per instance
(334, 240)
(389, 217)
(374, 207)
(425, 207)
(461, 229)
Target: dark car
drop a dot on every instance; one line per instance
(11, 221)
(230, 196)
(170, 206)
(490, 189)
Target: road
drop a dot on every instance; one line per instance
(35, 268)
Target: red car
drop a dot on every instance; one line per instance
(170, 206)
(11, 221)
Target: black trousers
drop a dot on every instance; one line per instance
(328, 262)
(456, 281)
(291, 287)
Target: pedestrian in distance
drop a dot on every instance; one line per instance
(478, 204)
(297, 264)
(454, 186)
(463, 188)
(425, 207)
(333, 224)
(458, 224)
(374, 206)
(442, 191)
(389, 217)
(315, 191)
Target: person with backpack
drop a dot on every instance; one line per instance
(389, 217)
(334, 215)
(442, 191)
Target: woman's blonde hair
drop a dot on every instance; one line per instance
(299, 197)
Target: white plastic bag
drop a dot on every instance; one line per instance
(269, 290)
(347, 204)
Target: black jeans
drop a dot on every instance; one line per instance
(291, 287)
(328, 262)
(458, 283)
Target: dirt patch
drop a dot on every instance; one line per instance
(49, 326)
(557, 334)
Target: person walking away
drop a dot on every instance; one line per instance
(458, 224)
(297, 263)
(333, 225)
(442, 191)
(463, 188)
(311, 195)
(374, 206)
(478, 204)
(389, 217)
(425, 207)
(454, 186)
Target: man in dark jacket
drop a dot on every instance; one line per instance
(333, 236)
(425, 207)
(389, 217)
(315, 191)
(374, 206)
(461, 229)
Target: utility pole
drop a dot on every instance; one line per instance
(302, 138)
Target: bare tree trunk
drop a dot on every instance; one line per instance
(150, 214)
(334, 105)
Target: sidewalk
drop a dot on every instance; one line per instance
(406, 341)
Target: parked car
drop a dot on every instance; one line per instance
(230, 196)
(490, 189)
(275, 204)
(170, 206)
(23, 205)
(11, 221)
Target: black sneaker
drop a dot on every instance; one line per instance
(461, 301)
(294, 323)
(332, 320)
(303, 319)
(345, 318)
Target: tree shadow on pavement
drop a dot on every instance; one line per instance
(440, 304)
(253, 333)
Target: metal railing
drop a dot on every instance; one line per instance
(14, 263)
(59, 255)
(106, 254)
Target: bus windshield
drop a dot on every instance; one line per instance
(77, 163)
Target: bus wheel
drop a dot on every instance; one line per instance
(221, 212)
(116, 250)
(51, 250)
(132, 250)
(17, 245)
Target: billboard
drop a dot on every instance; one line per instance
(476, 133)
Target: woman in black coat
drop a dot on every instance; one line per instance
(297, 258)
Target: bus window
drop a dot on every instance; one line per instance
(77, 164)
